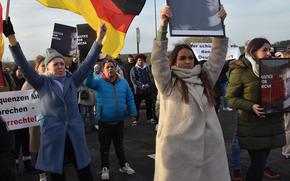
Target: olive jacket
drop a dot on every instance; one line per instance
(242, 93)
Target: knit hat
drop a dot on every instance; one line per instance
(51, 54)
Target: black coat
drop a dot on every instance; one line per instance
(7, 153)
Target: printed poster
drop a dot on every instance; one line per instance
(20, 109)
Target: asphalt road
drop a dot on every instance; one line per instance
(139, 142)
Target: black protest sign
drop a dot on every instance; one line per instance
(86, 37)
(64, 40)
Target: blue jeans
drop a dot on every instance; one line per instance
(236, 150)
(224, 89)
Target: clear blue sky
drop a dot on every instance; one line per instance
(33, 23)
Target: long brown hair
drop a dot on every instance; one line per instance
(208, 88)
(254, 45)
(38, 60)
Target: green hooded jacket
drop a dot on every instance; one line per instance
(242, 93)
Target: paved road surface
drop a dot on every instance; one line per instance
(140, 142)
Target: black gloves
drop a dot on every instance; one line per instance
(8, 27)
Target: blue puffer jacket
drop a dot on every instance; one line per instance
(113, 98)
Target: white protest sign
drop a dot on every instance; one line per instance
(19, 109)
(202, 51)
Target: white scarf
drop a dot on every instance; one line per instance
(194, 83)
(255, 65)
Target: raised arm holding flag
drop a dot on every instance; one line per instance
(62, 131)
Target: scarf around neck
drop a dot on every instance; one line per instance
(255, 65)
(188, 75)
(59, 80)
(193, 82)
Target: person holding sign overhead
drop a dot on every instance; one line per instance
(258, 133)
(189, 140)
(62, 131)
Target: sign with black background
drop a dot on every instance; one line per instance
(64, 40)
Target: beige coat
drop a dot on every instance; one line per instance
(34, 132)
(286, 148)
(189, 141)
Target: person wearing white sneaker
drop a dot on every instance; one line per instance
(127, 169)
(143, 83)
(114, 97)
(151, 121)
(105, 173)
(42, 177)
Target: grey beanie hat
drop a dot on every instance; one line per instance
(51, 54)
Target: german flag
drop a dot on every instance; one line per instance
(116, 14)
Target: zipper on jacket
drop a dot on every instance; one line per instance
(116, 113)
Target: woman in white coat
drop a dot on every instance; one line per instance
(189, 141)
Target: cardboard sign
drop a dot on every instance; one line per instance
(64, 40)
(202, 51)
(19, 109)
(86, 37)
(275, 85)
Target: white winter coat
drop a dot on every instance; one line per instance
(189, 141)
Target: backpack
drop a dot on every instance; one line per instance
(84, 94)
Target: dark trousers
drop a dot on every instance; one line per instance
(7, 153)
(258, 161)
(22, 140)
(148, 101)
(108, 132)
(84, 174)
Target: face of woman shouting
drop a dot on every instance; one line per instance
(56, 67)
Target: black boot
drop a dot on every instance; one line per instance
(28, 167)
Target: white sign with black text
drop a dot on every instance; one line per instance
(202, 51)
(19, 109)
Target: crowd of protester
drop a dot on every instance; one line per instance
(181, 95)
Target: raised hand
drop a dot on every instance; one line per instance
(8, 27)
(9, 31)
(222, 12)
(101, 33)
(165, 15)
